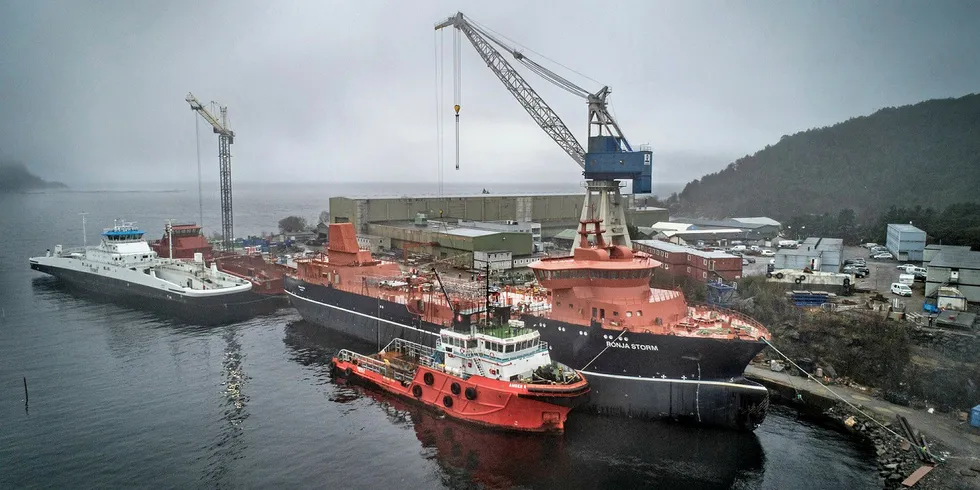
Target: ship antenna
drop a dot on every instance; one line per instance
(84, 235)
(170, 236)
(487, 288)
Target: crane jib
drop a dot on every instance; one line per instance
(609, 157)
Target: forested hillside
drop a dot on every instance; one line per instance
(926, 154)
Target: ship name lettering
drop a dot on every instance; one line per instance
(624, 345)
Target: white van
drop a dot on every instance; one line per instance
(906, 279)
(738, 248)
(901, 289)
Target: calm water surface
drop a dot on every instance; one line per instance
(122, 398)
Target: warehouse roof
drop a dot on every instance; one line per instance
(961, 259)
(675, 248)
(662, 245)
(670, 225)
(458, 196)
(568, 234)
(759, 221)
(936, 246)
(903, 228)
(468, 232)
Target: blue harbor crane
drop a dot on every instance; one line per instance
(225, 139)
(609, 158)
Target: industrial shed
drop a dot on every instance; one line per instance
(957, 268)
(817, 254)
(905, 242)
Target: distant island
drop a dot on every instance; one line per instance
(14, 177)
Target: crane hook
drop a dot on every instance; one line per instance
(456, 107)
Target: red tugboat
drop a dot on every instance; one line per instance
(266, 277)
(496, 376)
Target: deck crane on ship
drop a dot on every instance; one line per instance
(609, 158)
(225, 139)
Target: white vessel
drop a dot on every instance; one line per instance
(124, 268)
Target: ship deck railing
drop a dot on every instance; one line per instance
(755, 327)
(418, 353)
(399, 371)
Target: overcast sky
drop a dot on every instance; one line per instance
(346, 91)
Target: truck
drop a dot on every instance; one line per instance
(833, 282)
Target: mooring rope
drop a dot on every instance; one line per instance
(608, 344)
(858, 410)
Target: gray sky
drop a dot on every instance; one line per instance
(330, 91)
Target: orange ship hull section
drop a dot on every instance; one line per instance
(479, 400)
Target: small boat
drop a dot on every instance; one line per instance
(496, 376)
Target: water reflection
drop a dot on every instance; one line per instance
(229, 445)
(594, 452)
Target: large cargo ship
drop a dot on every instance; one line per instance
(124, 268)
(645, 351)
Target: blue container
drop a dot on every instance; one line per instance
(975, 416)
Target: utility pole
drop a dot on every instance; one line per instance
(170, 236)
(84, 235)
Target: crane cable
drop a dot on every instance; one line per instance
(438, 43)
(832, 392)
(200, 187)
(457, 86)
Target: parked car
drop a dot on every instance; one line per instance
(857, 270)
(878, 250)
(750, 260)
(855, 261)
(883, 256)
(768, 253)
(869, 245)
(901, 289)
(905, 266)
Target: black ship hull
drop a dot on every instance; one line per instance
(636, 375)
(208, 310)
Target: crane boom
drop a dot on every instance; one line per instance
(225, 138)
(609, 158)
(515, 83)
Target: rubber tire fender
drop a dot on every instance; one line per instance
(447, 401)
(454, 388)
(417, 391)
(470, 393)
(779, 275)
(768, 274)
(801, 278)
(347, 372)
(797, 280)
(847, 281)
(429, 378)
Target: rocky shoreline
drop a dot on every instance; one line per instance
(897, 459)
